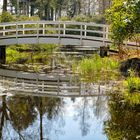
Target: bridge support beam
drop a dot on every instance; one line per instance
(2, 54)
(104, 51)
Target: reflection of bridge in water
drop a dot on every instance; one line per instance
(58, 85)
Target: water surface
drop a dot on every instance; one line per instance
(51, 118)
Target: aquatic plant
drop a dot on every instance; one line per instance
(132, 89)
(132, 84)
(96, 68)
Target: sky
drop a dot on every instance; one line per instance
(0, 5)
(1, 2)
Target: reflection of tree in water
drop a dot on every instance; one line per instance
(22, 112)
(124, 122)
(3, 114)
(83, 114)
(6, 115)
(89, 108)
(99, 105)
(51, 107)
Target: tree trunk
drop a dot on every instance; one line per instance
(52, 11)
(32, 10)
(4, 5)
(47, 12)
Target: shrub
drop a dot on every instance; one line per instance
(6, 17)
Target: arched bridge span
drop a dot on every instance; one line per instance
(54, 32)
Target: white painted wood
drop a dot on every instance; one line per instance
(16, 33)
(85, 30)
(64, 27)
(3, 30)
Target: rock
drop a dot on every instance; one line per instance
(133, 63)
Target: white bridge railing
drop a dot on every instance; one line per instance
(56, 32)
(57, 29)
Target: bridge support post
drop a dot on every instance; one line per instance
(2, 54)
(104, 51)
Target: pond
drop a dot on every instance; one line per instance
(50, 118)
(77, 110)
(83, 118)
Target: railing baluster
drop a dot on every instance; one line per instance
(17, 33)
(43, 29)
(58, 84)
(104, 35)
(37, 32)
(81, 33)
(23, 29)
(107, 32)
(85, 30)
(64, 29)
(4, 30)
(43, 86)
(59, 32)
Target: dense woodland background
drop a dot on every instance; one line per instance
(55, 9)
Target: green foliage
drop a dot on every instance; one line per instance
(132, 84)
(96, 68)
(124, 122)
(27, 18)
(65, 18)
(132, 89)
(84, 18)
(13, 56)
(23, 108)
(133, 98)
(124, 19)
(6, 17)
(29, 53)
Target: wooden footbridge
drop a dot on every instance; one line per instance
(54, 32)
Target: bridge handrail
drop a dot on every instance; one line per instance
(53, 22)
